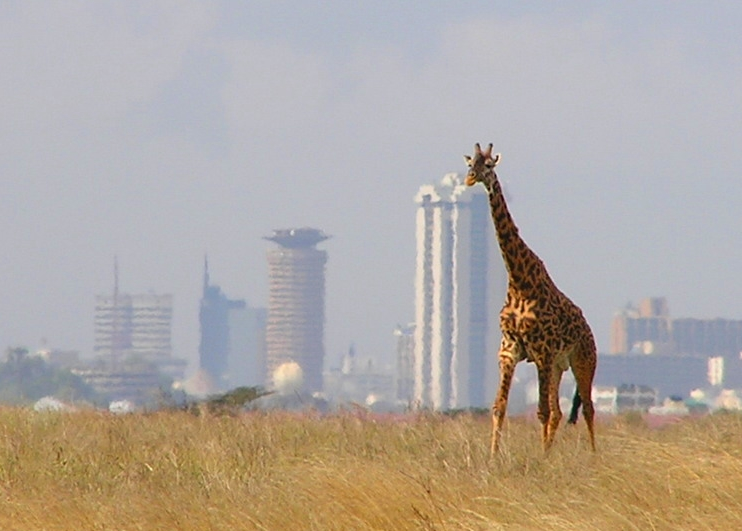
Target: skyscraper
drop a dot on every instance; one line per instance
(136, 330)
(232, 347)
(296, 304)
(460, 284)
(134, 326)
(132, 346)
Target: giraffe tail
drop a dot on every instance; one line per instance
(576, 403)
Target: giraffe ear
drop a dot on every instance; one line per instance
(494, 161)
(468, 160)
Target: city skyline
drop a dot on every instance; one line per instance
(159, 132)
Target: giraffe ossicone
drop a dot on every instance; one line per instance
(539, 323)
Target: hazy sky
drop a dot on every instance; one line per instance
(162, 130)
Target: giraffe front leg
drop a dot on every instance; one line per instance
(555, 411)
(500, 405)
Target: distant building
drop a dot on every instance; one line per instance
(649, 323)
(296, 304)
(460, 284)
(708, 337)
(232, 346)
(136, 329)
(669, 375)
(649, 329)
(405, 375)
(623, 398)
(246, 360)
(63, 359)
(133, 326)
(138, 382)
(358, 380)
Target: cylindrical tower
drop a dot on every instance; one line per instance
(296, 304)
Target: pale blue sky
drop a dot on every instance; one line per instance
(159, 131)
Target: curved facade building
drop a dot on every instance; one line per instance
(296, 304)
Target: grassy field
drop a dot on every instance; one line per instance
(279, 471)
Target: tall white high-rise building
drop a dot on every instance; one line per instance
(460, 284)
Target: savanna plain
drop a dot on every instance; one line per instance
(178, 470)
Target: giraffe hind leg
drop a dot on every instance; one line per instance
(583, 367)
(544, 407)
(555, 412)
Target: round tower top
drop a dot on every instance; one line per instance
(297, 238)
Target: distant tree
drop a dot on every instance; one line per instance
(235, 400)
(229, 403)
(24, 379)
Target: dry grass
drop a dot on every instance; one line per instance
(280, 471)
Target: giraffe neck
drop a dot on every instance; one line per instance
(521, 262)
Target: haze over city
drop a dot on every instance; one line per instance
(162, 131)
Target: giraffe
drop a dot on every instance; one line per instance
(539, 323)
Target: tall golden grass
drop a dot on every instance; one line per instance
(280, 471)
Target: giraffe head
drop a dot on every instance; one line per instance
(481, 165)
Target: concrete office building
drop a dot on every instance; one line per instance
(133, 326)
(460, 284)
(296, 305)
(132, 345)
(135, 331)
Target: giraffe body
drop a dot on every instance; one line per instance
(539, 323)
